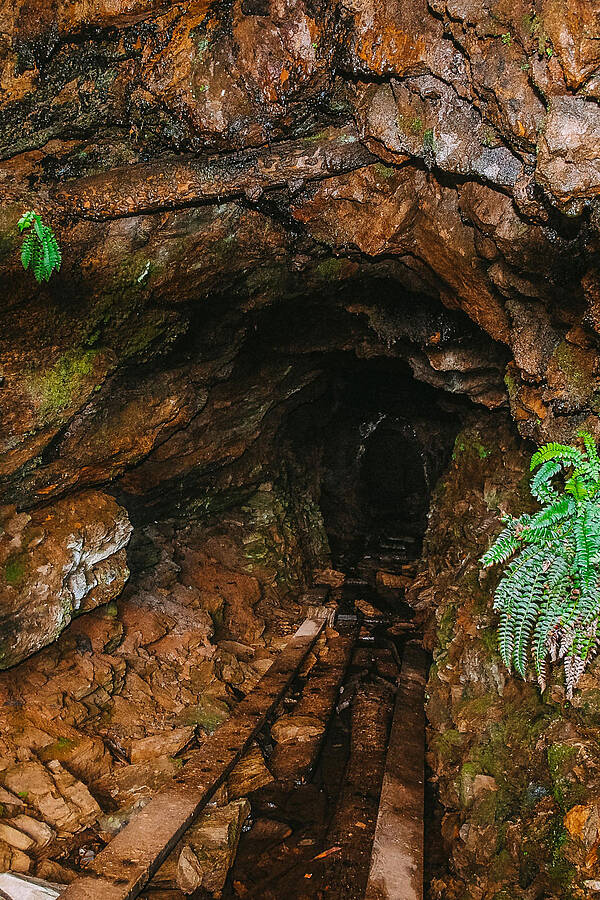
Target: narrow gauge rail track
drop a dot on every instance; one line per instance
(379, 782)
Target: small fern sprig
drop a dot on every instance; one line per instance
(549, 595)
(40, 250)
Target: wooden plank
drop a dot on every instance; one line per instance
(353, 825)
(396, 871)
(125, 866)
(295, 760)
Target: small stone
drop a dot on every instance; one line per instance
(15, 838)
(296, 728)
(482, 784)
(13, 860)
(165, 743)
(38, 831)
(53, 871)
(582, 822)
(249, 774)
(204, 857)
(270, 830)
(330, 577)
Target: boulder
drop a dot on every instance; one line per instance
(55, 563)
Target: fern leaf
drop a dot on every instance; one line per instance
(40, 251)
(503, 547)
(592, 454)
(528, 610)
(568, 456)
(27, 251)
(541, 483)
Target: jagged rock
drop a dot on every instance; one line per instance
(58, 562)
(15, 838)
(568, 159)
(138, 782)
(207, 851)
(40, 833)
(296, 728)
(53, 871)
(12, 859)
(60, 799)
(248, 775)
(165, 743)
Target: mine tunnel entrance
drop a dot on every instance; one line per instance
(295, 485)
(388, 442)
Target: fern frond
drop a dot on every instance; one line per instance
(592, 454)
(503, 547)
(568, 456)
(541, 483)
(548, 597)
(40, 251)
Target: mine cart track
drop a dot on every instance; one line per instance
(125, 866)
(389, 757)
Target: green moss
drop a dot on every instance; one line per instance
(55, 388)
(489, 809)
(429, 140)
(318, 136)
(575, 366)
(14, 569)
(156, 325)
(384, 171)
(489, 639)
(331, 269)
(470, 443)
(561, 872)
(561, 760)
(212, 502)
(209, 713)
(448, 744)
(60, 750)
(466, 776)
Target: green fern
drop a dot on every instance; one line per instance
(40, 251)
(549, 595)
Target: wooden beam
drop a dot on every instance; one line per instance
(187, 180)
(397, 860)
(125, 866)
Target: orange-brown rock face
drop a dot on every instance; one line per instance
(57, 563)
(253, 199)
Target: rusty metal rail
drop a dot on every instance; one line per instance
(125, 866)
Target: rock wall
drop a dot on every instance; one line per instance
(191, 151)
(249, 195)
(516, 773)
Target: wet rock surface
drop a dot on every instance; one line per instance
(56, 564)
(515, 772)
(254, 200)
(93, 725)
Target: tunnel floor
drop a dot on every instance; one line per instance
(310, 830)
